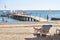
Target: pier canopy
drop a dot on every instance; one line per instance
(19, 12)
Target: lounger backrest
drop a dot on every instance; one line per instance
(46, 28)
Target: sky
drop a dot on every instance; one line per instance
(30, 4)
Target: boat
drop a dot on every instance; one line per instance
(55, 18)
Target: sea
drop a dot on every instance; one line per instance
(39, 13)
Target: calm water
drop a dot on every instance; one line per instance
(8, 19)
(44, 13)
(40, 13)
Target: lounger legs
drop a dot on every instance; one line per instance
(40, 34)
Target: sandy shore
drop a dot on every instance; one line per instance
(23, 32)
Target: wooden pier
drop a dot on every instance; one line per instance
(28, 18)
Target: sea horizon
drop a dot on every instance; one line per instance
(39, 13)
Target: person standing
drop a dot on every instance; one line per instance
(47, 17)
(3, 19)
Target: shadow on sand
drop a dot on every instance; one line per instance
(55, 37)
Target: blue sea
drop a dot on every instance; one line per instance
(40, 13)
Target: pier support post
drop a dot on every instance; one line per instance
(3, 19)
(34, 20)
(28, 19)
(31, 19)
(25, 18)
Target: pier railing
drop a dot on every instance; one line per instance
(29, 18)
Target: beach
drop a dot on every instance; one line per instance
(22, 31)
(29, 19)
(14, 29)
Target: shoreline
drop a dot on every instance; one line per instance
(23, 30)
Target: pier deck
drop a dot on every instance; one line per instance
(30, 17)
